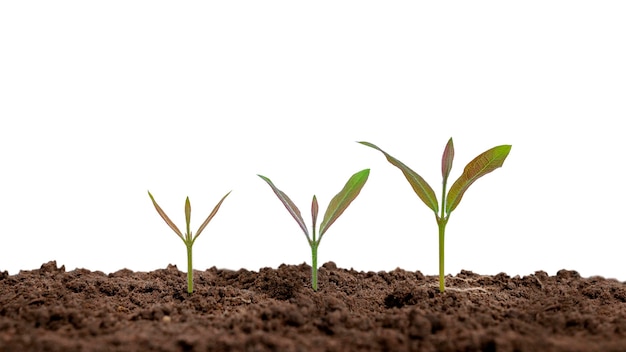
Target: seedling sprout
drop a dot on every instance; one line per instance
(480, 166)
(335, 208)
(188, 239)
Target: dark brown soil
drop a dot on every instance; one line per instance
(276, 310)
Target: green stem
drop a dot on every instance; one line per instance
(189, 268)
(442, 220)
(442, 231)
(314, 264)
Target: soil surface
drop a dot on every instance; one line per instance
(51, 309)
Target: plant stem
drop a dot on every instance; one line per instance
(189, 268)
(442, 231)
(314, 264)
(442, 220)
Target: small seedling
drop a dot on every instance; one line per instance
(480, 166)
(188, 239)
(335, 208)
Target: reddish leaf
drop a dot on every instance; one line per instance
(314, 211)
(291, 207)
(165, 217)
(420, 186)
(208, 219)
(446, 160)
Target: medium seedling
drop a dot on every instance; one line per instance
(188, 239)
(335, 208)
(480, 166)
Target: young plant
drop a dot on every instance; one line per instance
(188, 239)
(480, 166)
(335, 208)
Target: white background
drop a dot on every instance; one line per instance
(100, 102)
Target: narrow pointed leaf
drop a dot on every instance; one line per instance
(342, 200)
(419, 185)
(446, 160)
(314, 211)
(188, 216)
(165, 217)
(208, 219)
(291, 207)
(475, 169)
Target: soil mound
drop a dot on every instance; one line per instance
(51, 309)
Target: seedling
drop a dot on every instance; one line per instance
(188, 239)
(335, 208)
(480, 166)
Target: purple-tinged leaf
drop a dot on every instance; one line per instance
(314, 211)
(446, 160)
(291, 207)
(475, 169)
(419, 185)
(165, 217)
(208, 219)
(342, 200)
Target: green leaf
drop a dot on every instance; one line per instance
(165, 217)
(446, 160)
(475, 169)
(188, 217)
(420, 186)
(291, 207)
(208, 219)
(342, 200)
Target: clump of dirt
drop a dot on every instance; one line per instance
(51, 309)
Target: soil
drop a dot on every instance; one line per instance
(51, 309)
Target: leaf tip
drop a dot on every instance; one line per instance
(368, 144)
